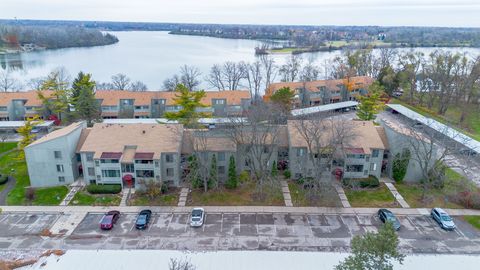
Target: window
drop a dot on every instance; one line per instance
(89, 156)
(128, 168)
(59, 168)
(3, 108)
(354, 168)
(219, 101)
(145, 173)
(300, 152)
(157, 164)
(158, 101)
(57, 154)
(144, 161)
(373, 166)
(169, 158)
(359, 156)
(110, 173)
(221, 156)
(221, 169)
(92, 181)
(61, 179)
(169, 172)
(109, 160)
(97, 163)
(367, 159)
(375, 153)
(91, 171)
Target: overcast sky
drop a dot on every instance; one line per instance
(313, 12)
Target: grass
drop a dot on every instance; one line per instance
(11, 165)
(371, 197)
(473, 220)
(50, 195)
(168, 199)
(412, 193)
(299, 197)
(243, 195)
(6, 146)
(84, 198)
(471, 126)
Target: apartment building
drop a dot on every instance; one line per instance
(131, 154)
(361, 154)
(323, 91)
(16, 106)
(52, 160)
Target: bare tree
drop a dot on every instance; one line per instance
(8, 83)
(179, 264)
(254, 77)
(35, 83)
(409, 64)
(215, 78)
(325, 139)
(227, 76)
(189, 77)
(309, 72)
(291, 69)
(120, 81)
(137, 86)
(269, 69)
(103, 86)
(62, 77)
(170, 84)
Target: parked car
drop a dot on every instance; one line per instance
(386, 215)
(109, 219)
(143, 219)
(198, 215)
(443, 219)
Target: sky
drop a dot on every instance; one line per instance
(454, 13)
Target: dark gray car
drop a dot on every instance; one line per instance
(387, 216)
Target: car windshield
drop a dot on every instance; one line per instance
(141, 219)
(195, 218)
(446, 218)
(106, 219)
(196, 213)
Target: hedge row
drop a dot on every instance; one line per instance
(370, 182)
(104, 189)
(3, 179)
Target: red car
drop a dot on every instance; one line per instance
(109, 219)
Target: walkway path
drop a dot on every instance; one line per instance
(286, 193)
(74, 188)
(8, 187)
(66, 224)
(126, 192)
(232, 209)
(183, 197)
(341, 194)
(389, 183)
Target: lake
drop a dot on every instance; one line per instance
(150, 57)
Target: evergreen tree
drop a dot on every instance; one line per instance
(83, 98)
(232, 181)
(371, 103)
(373, 251)
(284, 98)
(193, 173)
(189, 102)
(274, 169)
(213, 179)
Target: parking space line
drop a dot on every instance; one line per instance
(434, 225)
(459, 232)
(203, 227)
(239, 223)
(21, 218)
(414, 225)
(221, 224)
(188, 218)
(170, 222)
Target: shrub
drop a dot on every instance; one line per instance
(274, 169)
(30, 194)
(287, 174)
(232, 174)
(300, 181)
(3, 179)
(244, 177)
(104, 189)
(400, 165)
(370, 182)
(164, 188)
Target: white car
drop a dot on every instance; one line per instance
(198, 215)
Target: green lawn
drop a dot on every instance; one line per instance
(434, 198)
(243, 195)
(169, 199)
(50, 195)
(371, 197)
(471, 127)
(6, 146)
(299, 197)
(10, 165)
(473, 220)
(84, 198)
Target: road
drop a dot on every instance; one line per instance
(233, 231)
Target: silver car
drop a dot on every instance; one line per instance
(443, 219)
(198, 215)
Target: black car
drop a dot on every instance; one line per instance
(386, 215)
(143, 219)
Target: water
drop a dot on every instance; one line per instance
(150, 57)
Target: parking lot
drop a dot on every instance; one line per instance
(234, 231)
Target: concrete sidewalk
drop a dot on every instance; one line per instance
(230, 209)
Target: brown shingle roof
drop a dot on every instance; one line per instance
(314, 86)
(364, 135)
(146, 137)
(30, 96)
(383, 136)
(204, 140)
(112, 98)
(83, 137)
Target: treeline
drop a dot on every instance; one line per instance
(53, 37)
